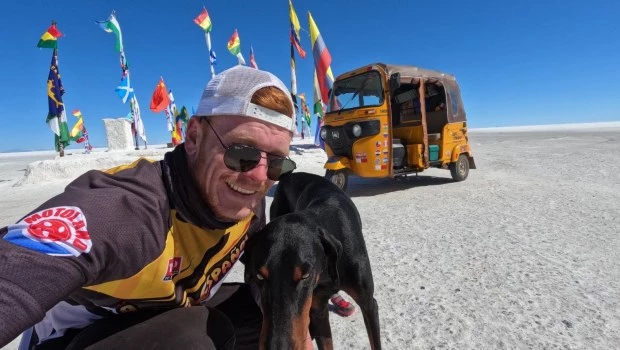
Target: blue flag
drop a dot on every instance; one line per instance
(124, 90)
(55, 90)
(212, 57)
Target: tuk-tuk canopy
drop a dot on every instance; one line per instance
(407, 73)
(412, 74)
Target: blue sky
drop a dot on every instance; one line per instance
(518, 62)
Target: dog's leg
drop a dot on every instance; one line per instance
(320, 329)
(370, 311)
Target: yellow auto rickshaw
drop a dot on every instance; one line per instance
(392, 120)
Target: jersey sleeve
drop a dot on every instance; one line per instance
(102, 227)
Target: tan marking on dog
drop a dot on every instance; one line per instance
(300, 325)
(264, 272)
(297, 273)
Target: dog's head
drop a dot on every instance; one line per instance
(286, 260)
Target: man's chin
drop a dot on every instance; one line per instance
(231, 214)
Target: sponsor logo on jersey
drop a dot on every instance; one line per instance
(58, 231)
(216, 274)
(174, 267)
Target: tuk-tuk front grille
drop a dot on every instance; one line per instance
(340, 138)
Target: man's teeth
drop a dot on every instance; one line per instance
(239, 189)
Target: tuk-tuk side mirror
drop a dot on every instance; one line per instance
(394, 81)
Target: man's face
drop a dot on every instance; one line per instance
(232, 195)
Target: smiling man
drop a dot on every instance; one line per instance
(118, 258)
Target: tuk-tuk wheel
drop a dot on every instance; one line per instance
(460, 169)
(339, 177)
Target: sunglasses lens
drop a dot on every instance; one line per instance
(279, 167)
(244, 158)
(241, 158)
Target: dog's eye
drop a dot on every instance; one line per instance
(260, 277)
(305, 275)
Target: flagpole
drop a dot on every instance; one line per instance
(294, 87)
(208, 38)
(61, 146)
(112, 26)
(58, 138)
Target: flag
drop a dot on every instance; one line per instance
(124, 90)
(112, 26)
(79, 125)
(318, 106)
(177, 137)
(252, 58)
(174, 125)
(234, 46)
(160, 99)
(203, 20)
(295, 44)
(49, 38)
(137, 118)
(83, 136)
(212, 57)
(182, 120)
(171, 111)
(56, 117)
(322, 60)
(293, 79)
(183, 116)
(304, 108)
(295, 40)
(319, 110)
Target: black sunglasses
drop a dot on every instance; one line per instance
(242, 158)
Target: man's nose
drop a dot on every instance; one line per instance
(259, 173)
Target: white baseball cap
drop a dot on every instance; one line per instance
(230, 93)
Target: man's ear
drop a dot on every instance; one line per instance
(333, 250)
(193, 137)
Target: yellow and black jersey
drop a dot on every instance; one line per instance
(134, 237)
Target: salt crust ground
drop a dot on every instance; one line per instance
(521, 255)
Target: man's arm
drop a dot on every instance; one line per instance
(99, 229)
(30, 284)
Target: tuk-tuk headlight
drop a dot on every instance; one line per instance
(357, 130)
(323, 133)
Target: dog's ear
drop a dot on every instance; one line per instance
(246, 258)
(333, 249)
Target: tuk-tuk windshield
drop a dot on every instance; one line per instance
(363, 90)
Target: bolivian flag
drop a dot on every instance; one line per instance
(78, 127)
(203, 20)
(49, 38)
(234, 46)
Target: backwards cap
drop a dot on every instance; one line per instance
(230, 93)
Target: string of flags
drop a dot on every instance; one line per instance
(163, 100)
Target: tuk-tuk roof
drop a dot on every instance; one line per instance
(407, 72)
(412, 74)
(416, 72)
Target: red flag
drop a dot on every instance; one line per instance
(160, 99)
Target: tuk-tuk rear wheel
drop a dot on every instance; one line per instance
(339, 177)
(460, 169)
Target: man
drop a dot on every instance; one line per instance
(113, 260)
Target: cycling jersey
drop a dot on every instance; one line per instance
(135, 237)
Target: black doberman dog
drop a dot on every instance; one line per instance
(312, 247)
